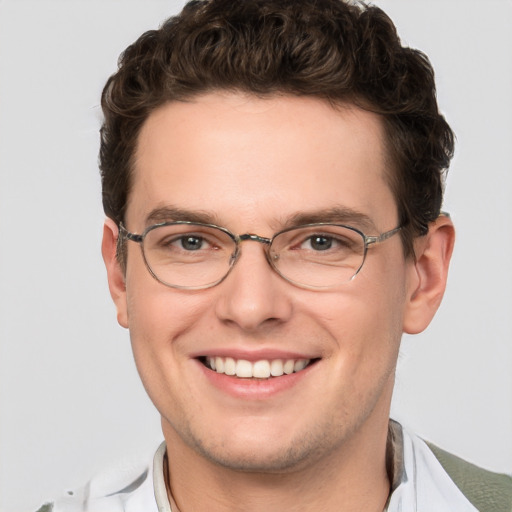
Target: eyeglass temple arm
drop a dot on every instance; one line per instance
(380, 238)
(388, 234)
(131, 236)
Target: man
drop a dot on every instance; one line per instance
(279, 165)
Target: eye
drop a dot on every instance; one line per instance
(330, 241)
(191, 242)
(185, 243)
(320, 242)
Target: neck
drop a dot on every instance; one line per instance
(352, 477)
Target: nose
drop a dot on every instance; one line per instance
(253, 296)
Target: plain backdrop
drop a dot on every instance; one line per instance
(70, 398)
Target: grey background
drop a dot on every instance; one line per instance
(70, 399)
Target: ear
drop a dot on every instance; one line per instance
(115, 274)
(429, 273)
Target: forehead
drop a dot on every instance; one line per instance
(260, 159)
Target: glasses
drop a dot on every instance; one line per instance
(194, 256)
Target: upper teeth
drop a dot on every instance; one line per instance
(262, 369)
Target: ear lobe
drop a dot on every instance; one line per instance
(429, 275)
(115, 274)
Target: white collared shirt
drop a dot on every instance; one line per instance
(423, 486)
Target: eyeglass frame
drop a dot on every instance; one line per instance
(368, 240)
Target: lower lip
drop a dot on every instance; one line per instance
(254, 389)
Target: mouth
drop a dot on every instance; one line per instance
(261, 369)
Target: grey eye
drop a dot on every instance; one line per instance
(191, 243)
(320, 243)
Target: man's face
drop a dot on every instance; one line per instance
(252, 165)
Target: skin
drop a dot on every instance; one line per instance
(252, 164)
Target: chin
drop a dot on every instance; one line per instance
(279, 461)
(264, 454)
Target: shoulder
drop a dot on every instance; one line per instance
(486, 490)
(124, 487)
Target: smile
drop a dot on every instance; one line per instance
(262, 369)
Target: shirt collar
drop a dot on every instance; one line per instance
(418, 481)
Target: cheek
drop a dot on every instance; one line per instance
(158, 317)
(364, 321)
(159, 320)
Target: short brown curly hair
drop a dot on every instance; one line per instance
(340, 51)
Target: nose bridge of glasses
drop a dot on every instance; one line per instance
(254, 238)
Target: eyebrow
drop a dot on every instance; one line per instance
(174, 214)
(334, 215)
